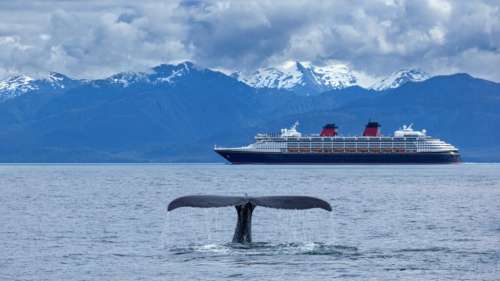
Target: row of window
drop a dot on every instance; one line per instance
(342, 139)
(417, 146)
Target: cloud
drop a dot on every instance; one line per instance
(96, 41)
(98, 38)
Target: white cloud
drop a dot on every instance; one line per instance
(437, 34)
(98, 38)
(442, 7)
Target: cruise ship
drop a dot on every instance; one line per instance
(406, 146)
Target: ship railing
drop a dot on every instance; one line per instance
(347, 146)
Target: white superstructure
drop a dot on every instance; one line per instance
(404, 140)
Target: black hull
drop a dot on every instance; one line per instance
(246, 157)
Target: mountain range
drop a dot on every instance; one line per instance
(294, 76)
(176, 113)
(308, 79)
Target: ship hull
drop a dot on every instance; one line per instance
(252, 157)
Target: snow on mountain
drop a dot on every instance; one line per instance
(16, 86)
(335, 76)
(125, 79)
(23, 84)
(398, 78)
(164, 73)
(286, 76)
(299, 77)
(171, 73)
(56, 80)
(302, 77)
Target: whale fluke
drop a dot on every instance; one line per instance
(277, 202)
(206, 201)
(245, 205)
(291, 202)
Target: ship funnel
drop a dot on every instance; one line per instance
(329, 130)
(372, 129)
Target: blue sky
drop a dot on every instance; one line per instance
(90, 39)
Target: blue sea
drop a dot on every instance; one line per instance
(109, 222)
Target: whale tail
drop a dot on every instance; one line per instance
(277, 202)
(245, 206)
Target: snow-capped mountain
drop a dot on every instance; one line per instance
(400, 77)
(16, 86)
(161, 74)
(125, 79)
(309, 79)
(55, 82)
(301, 77)
(23, 84)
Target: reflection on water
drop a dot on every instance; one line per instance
(109, 222)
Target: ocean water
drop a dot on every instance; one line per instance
(109, 222)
